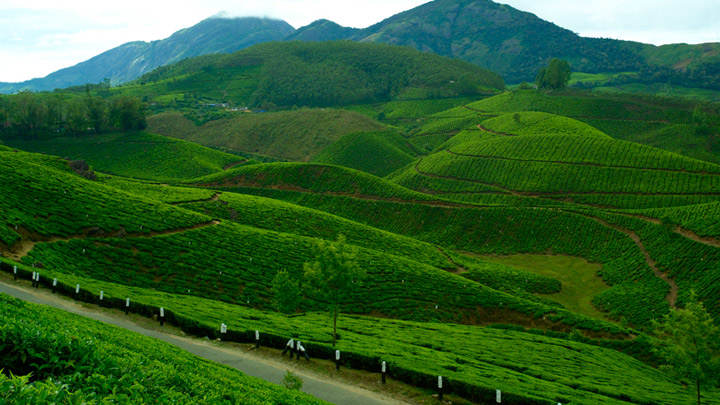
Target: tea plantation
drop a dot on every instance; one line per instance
(432, 188)
(89, 362)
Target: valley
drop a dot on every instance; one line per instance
(516, 239)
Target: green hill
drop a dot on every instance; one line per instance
(677, 125)
(313, 74)
(93, 362)
(42, 201)
(537, 123)
(378, 153)
(141, 155)
(309, 177)
(290, 135)
(561, 166)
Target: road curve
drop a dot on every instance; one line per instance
(330, 391)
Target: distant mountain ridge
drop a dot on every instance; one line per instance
(498, 37)
(516, 44)
(133, 59)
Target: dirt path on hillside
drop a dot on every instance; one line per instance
(707, 240)
(24, 246)
(672, 296)
(437, 176)
(559, 162)
(257, 363)
(233, 164)
(482, 128)
(215, 197)
(458, 269)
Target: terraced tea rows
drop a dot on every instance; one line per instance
(536, 369)
(40, 201)
(506, 230)
(95, 362)
(140, 155)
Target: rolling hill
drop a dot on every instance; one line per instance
(286, 135)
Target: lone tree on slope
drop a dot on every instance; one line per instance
(691, 346)
(334, 275)
(555, 75)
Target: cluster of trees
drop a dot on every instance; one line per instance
(31, 115)
(555, 75)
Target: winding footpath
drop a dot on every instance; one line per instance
(232, 356)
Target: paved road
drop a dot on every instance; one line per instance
(327, 390)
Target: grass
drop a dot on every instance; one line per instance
(539, 123)
(580, 282)
(290, 135)
(378, 153)
(86, 361)
(141, 155)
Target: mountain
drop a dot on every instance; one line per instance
(498, 37)
(312, 74)
(517, 44)
(133, 59)
(322, 30)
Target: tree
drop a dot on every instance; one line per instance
(554, 76)
(286, 292)
(128, 113)
(691, 347)
(334, 275)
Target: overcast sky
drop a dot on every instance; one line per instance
(38, 37)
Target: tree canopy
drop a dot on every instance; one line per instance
(555, 75)
(334, 275)
(691, 346)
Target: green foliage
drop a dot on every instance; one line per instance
(128, 114)
(292, 381)
(572, 165)
(286, 293)
(77, 360)
(378, 153)
(334, 276)
(506, 278)
(703, 219)
(692, 347)
(314, 74)
(538, 123)
(542, 364)
(28, 115)
(554, 76)
(140, 155)
(297, 135)
(310, 178)
(159, 192)
(42, 196)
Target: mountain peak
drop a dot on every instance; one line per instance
(216, 34)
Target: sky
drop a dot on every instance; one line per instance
(39, 37)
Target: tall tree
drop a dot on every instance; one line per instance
(555, 75)
(334, 275)
(691, 346)
(286, 292)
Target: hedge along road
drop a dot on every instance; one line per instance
(330, 391)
